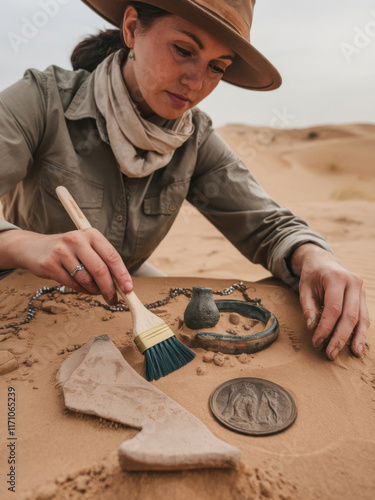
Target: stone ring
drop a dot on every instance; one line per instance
(80, 267)
(237, 344)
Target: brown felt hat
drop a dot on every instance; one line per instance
(228, 20)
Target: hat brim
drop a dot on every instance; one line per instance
(250, 69)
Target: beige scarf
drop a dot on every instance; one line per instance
(140, 146)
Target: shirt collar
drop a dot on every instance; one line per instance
(83, 105)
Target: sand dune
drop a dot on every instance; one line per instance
(328, 179)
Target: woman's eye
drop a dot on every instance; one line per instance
(182, 52)
(217, 69)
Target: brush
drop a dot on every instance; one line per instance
(163, 352)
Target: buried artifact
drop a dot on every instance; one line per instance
(230, 344)
(201, 312)
(97, 380)
(253, 406)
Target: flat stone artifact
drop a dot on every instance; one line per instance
(237, 344)
(253, 406)
(97, 380)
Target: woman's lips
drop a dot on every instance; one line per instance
(177, 99)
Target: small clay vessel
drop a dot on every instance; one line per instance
(201, 312)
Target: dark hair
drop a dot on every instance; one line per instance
(89, 53)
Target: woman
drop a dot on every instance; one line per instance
(123, 134)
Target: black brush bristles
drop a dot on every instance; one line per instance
(166, 357)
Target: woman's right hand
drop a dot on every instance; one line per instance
(56, 256)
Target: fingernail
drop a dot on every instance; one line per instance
(113, 301)
(333, 353)
(309, 323)
(360, 349)
(319, 343)
(128, 286)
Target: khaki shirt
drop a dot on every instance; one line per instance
(51, 134)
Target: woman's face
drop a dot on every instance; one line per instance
(175, 65)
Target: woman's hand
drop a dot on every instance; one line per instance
(57, 256)
(333, 300)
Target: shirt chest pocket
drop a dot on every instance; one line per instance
(50, 213)
(168, 200)
(87, 194)
(158, 214)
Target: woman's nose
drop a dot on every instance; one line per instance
(193, 77)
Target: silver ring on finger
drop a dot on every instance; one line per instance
(80, 267)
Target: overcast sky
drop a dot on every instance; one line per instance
(324, 50)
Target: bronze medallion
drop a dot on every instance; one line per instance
(253, 406)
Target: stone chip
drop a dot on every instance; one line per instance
(219, 359)
(234, 318)
(201, 370)
(54, 307)
(208, 357)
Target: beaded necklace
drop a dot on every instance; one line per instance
(173, 292)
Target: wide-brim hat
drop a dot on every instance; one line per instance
(228, 20)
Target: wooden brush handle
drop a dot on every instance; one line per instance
(72, 208)
(136, 307)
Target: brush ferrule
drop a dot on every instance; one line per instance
(153, 336)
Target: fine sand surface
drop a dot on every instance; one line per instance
(326, 175)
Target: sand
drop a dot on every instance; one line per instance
(324, 174)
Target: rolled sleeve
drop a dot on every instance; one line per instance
(227, 194)
(282, 254)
